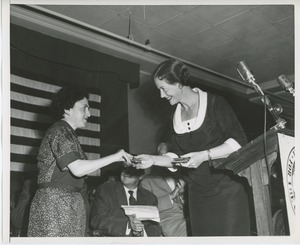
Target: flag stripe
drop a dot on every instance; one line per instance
(24, 132)
(47, 87)
(25, 150)
(30, 118)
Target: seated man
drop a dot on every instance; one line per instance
(107, 214)
(169, 190)
(19, 216)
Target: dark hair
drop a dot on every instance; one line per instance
(174, 71)
(132, 171)
(166, 144)
(65, 99)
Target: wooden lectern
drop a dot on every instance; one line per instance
(249, 162)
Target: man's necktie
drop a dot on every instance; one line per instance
(132, 200)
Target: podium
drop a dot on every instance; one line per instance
(250, 162)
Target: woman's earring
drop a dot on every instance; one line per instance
(67, 113)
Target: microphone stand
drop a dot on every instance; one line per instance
(247, 76)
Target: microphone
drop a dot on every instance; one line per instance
(245, 72)
(286, 84)
(248, 77)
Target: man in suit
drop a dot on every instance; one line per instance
(107, 214)
(169, 189)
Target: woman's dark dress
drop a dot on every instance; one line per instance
(218, 203)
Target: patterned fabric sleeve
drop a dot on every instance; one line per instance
(65, 148)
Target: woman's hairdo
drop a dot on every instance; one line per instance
(174, 71)
(65, 99)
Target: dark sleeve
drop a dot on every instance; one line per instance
(106, 215)
(174, 146)
(227, 121)
(20, 214)
(152, 228)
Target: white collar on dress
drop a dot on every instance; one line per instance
(180, 126)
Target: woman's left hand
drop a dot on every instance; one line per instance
(196, 158)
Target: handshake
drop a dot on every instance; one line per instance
(144, 161)
(133, 161)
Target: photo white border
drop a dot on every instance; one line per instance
(5, 130)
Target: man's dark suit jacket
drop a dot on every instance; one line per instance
(108, 216)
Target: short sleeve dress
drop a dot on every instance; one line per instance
(57, 209)
(218, 202)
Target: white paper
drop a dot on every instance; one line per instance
(142, 212)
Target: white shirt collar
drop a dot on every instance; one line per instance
(128, 195)
(182, 127)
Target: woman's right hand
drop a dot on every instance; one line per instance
(123, 156)
(143, 161)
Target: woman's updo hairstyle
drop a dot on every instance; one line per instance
(174, 71)
(65, 99)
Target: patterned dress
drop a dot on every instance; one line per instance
(218, 202)
(57, 209)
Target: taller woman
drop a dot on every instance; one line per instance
(204, 128)
(57, 209)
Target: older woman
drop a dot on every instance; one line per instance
(57, 209)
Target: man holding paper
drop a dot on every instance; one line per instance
(107, 215)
